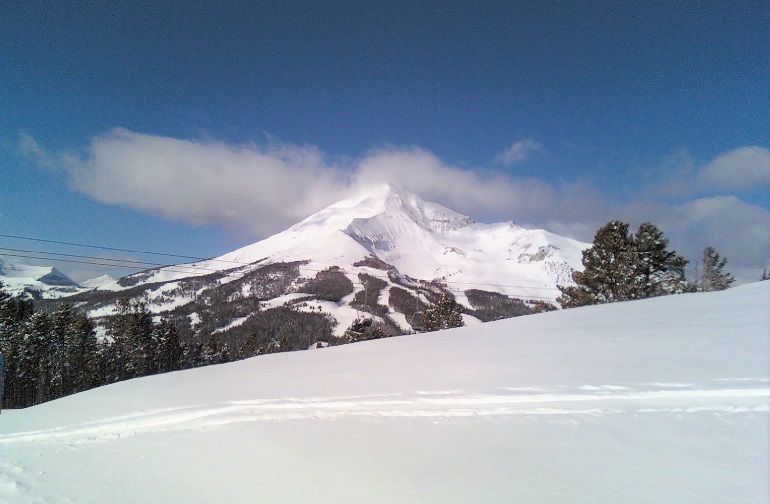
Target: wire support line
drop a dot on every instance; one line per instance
(169, 269)
(79, 256)
(192, 269)
(101, 247)
(92, 263)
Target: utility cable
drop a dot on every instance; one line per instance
(182, 268)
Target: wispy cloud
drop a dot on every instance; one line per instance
(519, 151)
(265, 189)
(742, 169)
(739, 169)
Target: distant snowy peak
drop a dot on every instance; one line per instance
(45, 274)
(45, 282)
(97, 282)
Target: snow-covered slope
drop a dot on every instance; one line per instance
(660, 400)
(420, 239)
(100, 281)
(40, 281)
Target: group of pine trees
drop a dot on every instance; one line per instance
(51, 355)
(445, 314)
(621, 266)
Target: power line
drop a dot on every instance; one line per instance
(170, 269)
(130, 261)
(114, 249)
(184, 269)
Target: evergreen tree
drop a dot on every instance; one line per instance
(765, 275)
(608, 269)
(250, 347)
(84, 352)
(364, 329)
(445, 314)
(620, 266)
(34, 372)
(169, 349)
(714, 277)
(658, 270)
(132, 334)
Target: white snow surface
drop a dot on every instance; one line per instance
(660, 400)
(421, 239)
(100, 281)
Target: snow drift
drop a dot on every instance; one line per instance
(660, 400)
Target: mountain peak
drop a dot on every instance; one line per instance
(420, 239)
(389, 199)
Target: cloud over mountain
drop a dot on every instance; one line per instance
(267, 188)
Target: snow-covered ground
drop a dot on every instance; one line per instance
(661, 400)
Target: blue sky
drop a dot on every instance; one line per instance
(197, 127)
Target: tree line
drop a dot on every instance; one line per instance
(621, 266)
(52, 355)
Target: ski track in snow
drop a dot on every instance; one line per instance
(724, 397)
(17, 486)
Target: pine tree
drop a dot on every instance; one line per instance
(608, 272)
(169, 347)
(714, 277)
(445, 314)
(34, 359)
(658, 270)
(765, 275)
(620, 266)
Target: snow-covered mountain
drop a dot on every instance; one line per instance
(37, 281)
(376, 241)
(97, 282)
(423, 240)
(659, 400)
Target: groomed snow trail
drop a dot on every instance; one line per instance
(723, 397)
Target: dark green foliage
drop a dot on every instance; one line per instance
(403, 302)
(445, 314)
(765, 275)
(488, 306)
(284, 329)
(620, 266)
(47, 356)
(542, 307)
(373, 262)
(363, 329)
(330, 284)
(169, 348)
(657, 270)
(714, 278)
(366, 298)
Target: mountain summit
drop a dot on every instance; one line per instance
(419, 239)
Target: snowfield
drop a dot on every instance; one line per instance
(661, 400)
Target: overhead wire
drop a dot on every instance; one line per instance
(185, 269)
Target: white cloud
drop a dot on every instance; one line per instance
(264, 190)
(30, 149)
(740, 169)
(744, 168)
(519, 151)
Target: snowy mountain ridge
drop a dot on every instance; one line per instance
(423, 240)
(389, 252)
(19, 278)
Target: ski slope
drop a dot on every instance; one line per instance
(660, 400)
